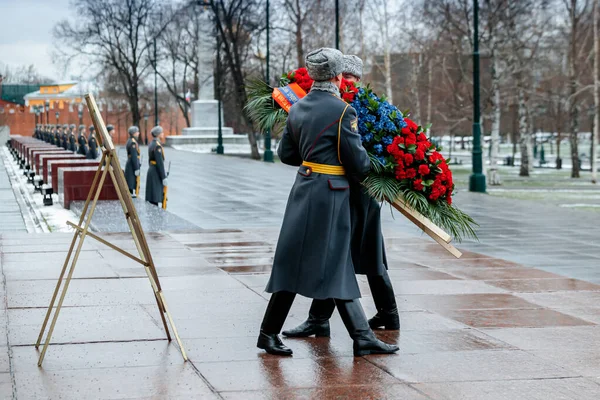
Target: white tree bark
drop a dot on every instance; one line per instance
(524, 137)
(496, 113)
(387, 55)
(596, 134)
(429, 86)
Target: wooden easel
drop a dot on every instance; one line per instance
(109, 164)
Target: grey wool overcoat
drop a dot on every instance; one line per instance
(313, 256)
(156, 172)
(368, 249)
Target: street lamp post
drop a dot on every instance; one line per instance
(80, 113)
(477, 178)
(57, 114)
(337, 24)
(47, 111)
(146, 126)
(156, 121)
(220, 149)
(268, 156)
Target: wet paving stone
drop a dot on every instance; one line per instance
(521, 389)
(507, 321)
(514, 318)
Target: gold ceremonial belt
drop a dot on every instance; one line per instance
(153, 162)
(323, 169)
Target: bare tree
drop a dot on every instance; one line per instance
(112, 34)
(596, 69)
(236, 22)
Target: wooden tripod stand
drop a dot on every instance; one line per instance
(109, 165)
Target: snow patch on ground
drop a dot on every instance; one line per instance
(52, 218)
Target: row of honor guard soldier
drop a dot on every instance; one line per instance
(156, 180)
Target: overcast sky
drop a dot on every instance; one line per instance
(26, 32)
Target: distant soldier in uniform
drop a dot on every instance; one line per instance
(368, 253)
(57, 136)
(82, 142)
(156, 179)
(72, 141)
(64, 138)
(132, 167)
(313, 256)
(92, 150)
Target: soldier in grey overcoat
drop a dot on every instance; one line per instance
(92, 150)
(73, 140)
(156, 179)
(313, 255)
(132, 167)
(64, 136)
(368, 253)
(82, 143)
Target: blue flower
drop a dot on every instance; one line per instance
(381, 160)
(367, 138)
(378, 148)
(387, 140)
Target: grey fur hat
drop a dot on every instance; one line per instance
(324, 64)
(133, 130)
(110, 127)
(92, 129)
(65, 126)
(156, 131)
(72, 126)
(81, 127)
(353, 65)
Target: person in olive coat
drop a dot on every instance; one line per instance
(368, 253)
(82, 143)
(72, 146)
(313, 255)
(156, 179)
(132, 167)
(57, 136)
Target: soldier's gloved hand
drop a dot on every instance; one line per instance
(137, 172)
(165, 182)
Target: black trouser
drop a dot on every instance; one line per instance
(381, 289)
(280, 303)
(277, 311)
(152, 202)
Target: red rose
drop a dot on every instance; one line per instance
(419, 155)
(348, 97)
(423, 169)
(408, 159)
(400, 174)
(411, 126)
(411, 173)
(421, 137)
(410, 139)
(449, 200)
(418, 184)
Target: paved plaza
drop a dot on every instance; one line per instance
(516, 318)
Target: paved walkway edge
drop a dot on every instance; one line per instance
(31, 216)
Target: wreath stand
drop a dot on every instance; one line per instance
(109, 165)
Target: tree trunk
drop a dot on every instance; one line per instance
(299, 45)
(414, 89)
(387, 56)
(496, 113)
(429, 86)
(573, 106)
(523, 137)
(595, 133)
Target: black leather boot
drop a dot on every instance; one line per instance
(365, 341)
(318, 320)
(271, 343)
(275, 315)
(385, 302)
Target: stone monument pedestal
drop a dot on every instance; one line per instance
(202, 136)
